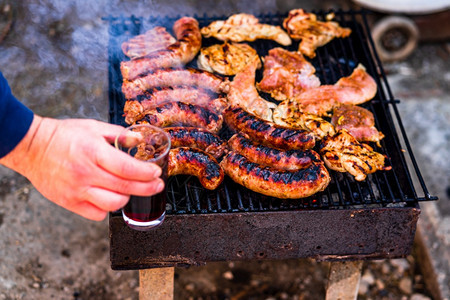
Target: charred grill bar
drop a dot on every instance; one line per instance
(375, 218)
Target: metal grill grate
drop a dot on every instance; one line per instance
(333, 61)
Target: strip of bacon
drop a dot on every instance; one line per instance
(153, 40)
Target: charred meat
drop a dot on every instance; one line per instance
(272, 157)
(182, 114)
(193, 137)
(343, 153)
(275, 182)
(134, 110)
(196, 162)
(289, 114)
(265, 132)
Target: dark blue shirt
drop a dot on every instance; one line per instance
(15, 119)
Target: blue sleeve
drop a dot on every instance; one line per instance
(15, 119)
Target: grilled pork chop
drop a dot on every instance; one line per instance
(358, 121)
(355, 89)
(287, 74)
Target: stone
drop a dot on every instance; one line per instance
(363, 288)
(405, 285)
(419, 297)
(368, 277)
(228, 275)
(401, 264)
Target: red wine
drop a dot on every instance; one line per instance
(147, 208)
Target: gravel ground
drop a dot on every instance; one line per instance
(55, 59)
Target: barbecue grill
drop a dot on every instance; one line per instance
(375, 218)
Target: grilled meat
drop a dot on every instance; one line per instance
(135, 109)
(196, 162)
(153, 40)
(193, 137)
(226, 59)
(172, 78)
(188, 44)
(355, 89)
(276, 182)
(286, 74)
(304, 26)
(343, 153)
(265, 132)
(182, 114)
(272, 157)
(243, 93)
(358, 121)
(317, 107)
(245, 27)
(289, 114)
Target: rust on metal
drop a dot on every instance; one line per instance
(344, 234)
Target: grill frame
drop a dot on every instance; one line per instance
(388, 199)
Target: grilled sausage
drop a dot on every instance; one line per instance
(196, 138)
(266, 132)
(275, 182)
(189, 41)
(171, 78)
(281, 159)
(134, 110)
(196, 162)
(179, 113)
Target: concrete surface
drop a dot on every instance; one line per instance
(55, 60)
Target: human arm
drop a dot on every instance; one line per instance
(71, 162)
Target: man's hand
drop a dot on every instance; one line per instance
(72, 163)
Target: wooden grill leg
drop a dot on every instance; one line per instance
(156, 284)
(343, 280)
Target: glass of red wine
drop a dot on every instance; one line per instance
(151, 144)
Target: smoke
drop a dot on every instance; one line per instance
(56, 55)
